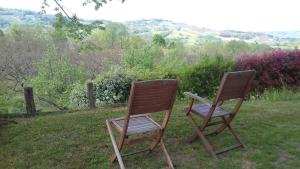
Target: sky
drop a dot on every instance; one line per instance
(243, 15)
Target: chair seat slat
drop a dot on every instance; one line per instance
(137, 125)
(203, 109)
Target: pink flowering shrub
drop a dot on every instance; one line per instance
(273, 70)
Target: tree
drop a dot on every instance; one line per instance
(70, 23)
(97, 4)
(236, 48)
(20, 48)
(159, 40)
(114, 36)
(55, 79)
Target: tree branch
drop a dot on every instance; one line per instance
(61, 7)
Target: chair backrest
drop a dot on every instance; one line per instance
(152, 96)
(235, 85)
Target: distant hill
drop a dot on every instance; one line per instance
(9, 16)
(172, 31)
(196, 35)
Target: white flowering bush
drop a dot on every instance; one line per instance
(78, 96)
(113, 89)
(110, 89)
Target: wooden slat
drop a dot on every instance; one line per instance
(228, 149)
(139, 139)
(214, 123)
(147, 97)
(152, 96)
(203, 110)
(139, 124)
(235, 84)
(136, 152)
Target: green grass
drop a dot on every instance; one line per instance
(281, 94)
(270, 130)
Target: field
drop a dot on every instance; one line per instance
(270, 131)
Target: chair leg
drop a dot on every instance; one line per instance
(116, 149)
(156, 141)
(236, 136)
(193, 138)
(206, 144)
(224, 125)
(114, 155)
(163, 148)
(120, 146)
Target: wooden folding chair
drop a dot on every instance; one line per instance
(234, 85)
(145, 97)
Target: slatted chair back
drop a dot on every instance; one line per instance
(235, 85)
(152, 96)
(145, 97)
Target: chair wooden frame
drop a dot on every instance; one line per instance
(234, 85)
(145, 97)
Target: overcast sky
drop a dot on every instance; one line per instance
(245, 15)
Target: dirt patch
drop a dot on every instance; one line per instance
(246, 164)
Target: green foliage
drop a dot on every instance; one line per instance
(73, 28)
(10, 102)
(170, 30)
(212, 48)
(115, 35)
(280, 94)
(170, 65)
(97, 3)
(78, 96)
(233, 48)
(159, 40)
(142, 59)
(56, 77)
(236, 48)
(113, 88)
(204, 77)
(34, 33)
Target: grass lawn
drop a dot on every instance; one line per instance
(270, 131)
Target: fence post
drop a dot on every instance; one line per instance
(90, 95)
(29, 101)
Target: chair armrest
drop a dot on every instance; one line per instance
(194, 96)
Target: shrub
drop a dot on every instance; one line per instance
(11, 104)
(55, 79)
(273, 70)
(112, 89)
(10, 100)
(204, 77)
(142, 60)
(78, 96)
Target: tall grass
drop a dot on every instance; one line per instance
(283, 94)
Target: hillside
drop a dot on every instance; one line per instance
(172, 31)
(10, 16)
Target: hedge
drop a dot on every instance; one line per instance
(280, 68)
(205, 77)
